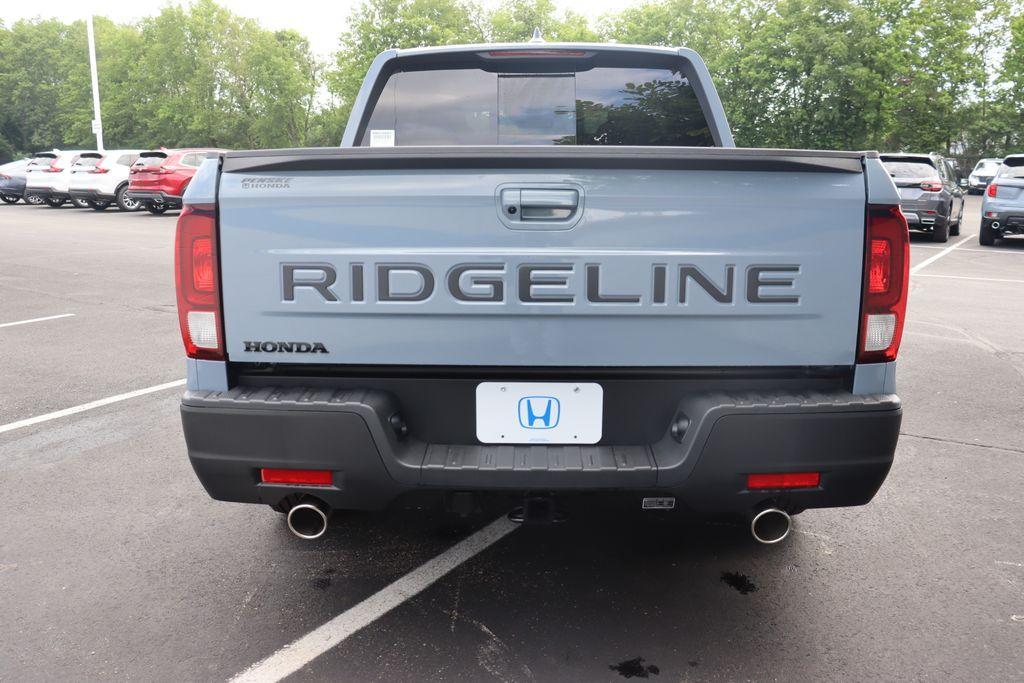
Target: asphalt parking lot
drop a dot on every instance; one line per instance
(114, 563)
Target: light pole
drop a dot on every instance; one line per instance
(97, 121)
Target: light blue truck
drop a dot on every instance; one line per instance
(542, 273)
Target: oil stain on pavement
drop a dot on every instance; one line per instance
(635, 668)
(740, 582)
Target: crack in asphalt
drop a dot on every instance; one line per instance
(963, 443)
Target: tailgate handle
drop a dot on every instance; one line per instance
(537, 205)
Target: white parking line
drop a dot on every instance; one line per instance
(965, 277)
(995, 251)
(28, 422)
(293, 657)
(932, 259)
(37, 320)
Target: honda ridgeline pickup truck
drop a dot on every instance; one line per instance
(544, 271)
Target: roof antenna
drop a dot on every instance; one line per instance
(537, 37)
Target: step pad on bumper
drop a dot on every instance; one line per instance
(621, 465)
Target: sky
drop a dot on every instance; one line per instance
(320, 21)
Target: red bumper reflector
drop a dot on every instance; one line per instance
(300, 477)
(784, 480)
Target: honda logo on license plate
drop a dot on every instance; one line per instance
(539, 412)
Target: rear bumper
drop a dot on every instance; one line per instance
(46, 193)
(849, 439)
(12, 188)
(1010, 222)
(154, 197)
(918, 216)
(91, 195)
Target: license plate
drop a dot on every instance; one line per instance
(539, 412)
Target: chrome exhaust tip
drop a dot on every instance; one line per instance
(770, 526)
(994, 225)
(308, 519)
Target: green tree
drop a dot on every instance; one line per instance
(208, 77)
(807, 74)
(937, 72)
(36, 59)
(116, 48)
(515, 20)
(711, 28)
(1010, 103)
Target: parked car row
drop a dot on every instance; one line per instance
(932, 194)
(131, 179)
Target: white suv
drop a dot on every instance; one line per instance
(99, 179)
(48, 174)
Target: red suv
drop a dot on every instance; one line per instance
(159, 178)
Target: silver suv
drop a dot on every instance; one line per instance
(1002, 209)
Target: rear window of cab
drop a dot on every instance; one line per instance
(575, 105)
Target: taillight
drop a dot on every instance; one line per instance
(991, 191)
(195, 270)
(931, 186)
(165, 170)
(97, 169)
(886, 276)
(4, 176)
(53, 168)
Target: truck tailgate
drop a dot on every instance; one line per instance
(626, 257)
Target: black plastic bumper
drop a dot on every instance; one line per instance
(150, 197)
(1010, 222)
(45, 193)
(358, 434)
(92, 195)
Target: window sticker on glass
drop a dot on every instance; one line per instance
(382, 138)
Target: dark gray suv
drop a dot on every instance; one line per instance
(930, 195)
